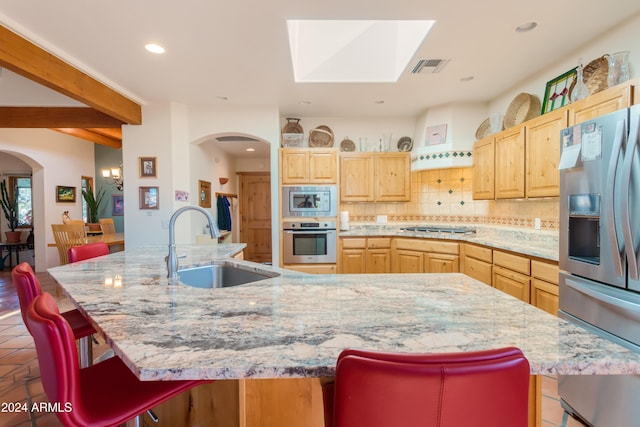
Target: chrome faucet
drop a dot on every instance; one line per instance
(172, 258)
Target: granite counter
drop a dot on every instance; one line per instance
(295, 325)
(535, 243)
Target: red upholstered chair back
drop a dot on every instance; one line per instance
(479, 389)
(90, 250)
(57, 356)
(27, 286)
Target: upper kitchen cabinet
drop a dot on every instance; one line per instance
(379, 177)
(542, 137)
(483, 179)
(605, 102)
(309, 165)
(509, 163)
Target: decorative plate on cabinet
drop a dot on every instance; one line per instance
(347, 145)
(405, 144)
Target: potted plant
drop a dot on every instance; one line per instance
(93, 205)
(10, 210)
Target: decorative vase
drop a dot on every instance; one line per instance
(580, 90)
(13, 236)
(618, 68)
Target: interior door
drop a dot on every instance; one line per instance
(255, 216)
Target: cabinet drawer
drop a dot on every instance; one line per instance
(478, 252)
(378, 242)
(354, 243)
(545, 271)
(512, 262)
(428, 246)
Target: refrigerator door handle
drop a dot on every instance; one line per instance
(632, 261)
(616, 252)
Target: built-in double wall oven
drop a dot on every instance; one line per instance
(309, 228)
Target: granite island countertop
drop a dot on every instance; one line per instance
(537, 243)
(296, 324)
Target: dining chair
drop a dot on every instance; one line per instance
(90, 250)
(487, 388)
(103, 395)
(67, 236)
(107, 225)
(28, 288)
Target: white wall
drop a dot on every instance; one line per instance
(55, 159)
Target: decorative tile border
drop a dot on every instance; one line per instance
(546, 224)
(442, 155)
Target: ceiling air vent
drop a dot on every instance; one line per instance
(429, 66)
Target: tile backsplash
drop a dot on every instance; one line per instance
(444, 195)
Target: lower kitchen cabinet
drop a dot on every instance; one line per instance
(424, 256)
(441, 263)
(478, 263)
(360, 255)
(511, 274)
(544, 286)
(406, 261)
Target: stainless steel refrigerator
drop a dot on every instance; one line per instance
(599, 257)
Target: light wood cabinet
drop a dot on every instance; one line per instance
(380, 177)
(542, 137)
(309, 165)
(605, 102)
(483, 178)
(360, 255)
(544, 286)
(511, 274)
(424, 256)
(478, 263)
(509, 164)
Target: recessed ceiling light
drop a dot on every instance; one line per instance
(305, 102)
(154, 48)
(222, 98)
(250, 149)
(466, 79)
(526, 27)
(379, 101)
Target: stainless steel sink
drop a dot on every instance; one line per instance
(220, 276)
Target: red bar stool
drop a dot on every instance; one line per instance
(28, 287)
(102, 395)
(480, 389)
(90, 250)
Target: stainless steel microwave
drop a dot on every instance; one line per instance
(306, 201)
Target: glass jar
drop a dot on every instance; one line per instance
(580, 90)
(618, 68)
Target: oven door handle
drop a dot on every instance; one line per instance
(309, 231)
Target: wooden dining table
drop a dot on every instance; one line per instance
(111, 239)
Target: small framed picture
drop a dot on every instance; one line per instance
(148, 167)
(149, 198)
(117, 205)
(65, 194)
(204, 194)
(558, 90)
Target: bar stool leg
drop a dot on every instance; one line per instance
(86, 352)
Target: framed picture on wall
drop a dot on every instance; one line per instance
(117, 205)
(148, 167)
(65, 194)
(149, 198)
(558, 90)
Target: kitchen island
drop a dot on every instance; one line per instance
(295, 325)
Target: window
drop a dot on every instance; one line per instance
(87, 182)
(22, 185)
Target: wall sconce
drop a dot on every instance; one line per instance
(115, 175)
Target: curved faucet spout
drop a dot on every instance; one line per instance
(172, 258)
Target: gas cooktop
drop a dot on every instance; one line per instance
(449, 230)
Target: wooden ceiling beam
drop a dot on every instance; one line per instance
(31, 61)
(55, 117)
(94, 137)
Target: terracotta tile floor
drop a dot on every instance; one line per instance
(18, 363)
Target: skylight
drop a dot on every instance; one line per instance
(353, 51)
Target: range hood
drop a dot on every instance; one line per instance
(445, 135)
